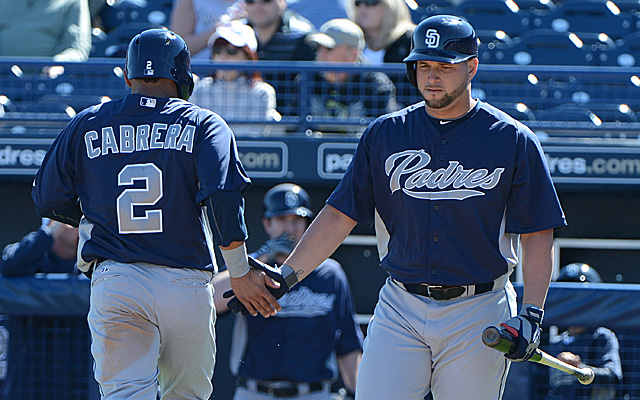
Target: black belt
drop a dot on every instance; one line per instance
(446, 292)
(280, 388)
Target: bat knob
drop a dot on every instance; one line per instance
(587, 376)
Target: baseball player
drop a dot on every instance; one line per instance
(453, 187)
(149, 178)
(316, 323)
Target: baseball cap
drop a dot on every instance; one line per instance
(339, 31)
(236, 33)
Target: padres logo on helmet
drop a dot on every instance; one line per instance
(287, 199)
(441, 38)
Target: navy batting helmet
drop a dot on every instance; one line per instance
(287, 199)
(160, 53)
(441, 38)
(578, 272)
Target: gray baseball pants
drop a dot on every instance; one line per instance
(152, 325)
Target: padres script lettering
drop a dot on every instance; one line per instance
(139, 138)
(414, 162)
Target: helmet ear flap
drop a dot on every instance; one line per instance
(411, 73)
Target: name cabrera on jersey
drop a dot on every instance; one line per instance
(448, 206)
(140, 167)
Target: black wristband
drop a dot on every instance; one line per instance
(289, 275)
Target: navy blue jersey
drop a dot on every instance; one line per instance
(141, 166)
(296, 345)
(32, 255)
(448, 206)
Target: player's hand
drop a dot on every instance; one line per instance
(571, 359)
(257, 291)
(275, 248)
(525, 328)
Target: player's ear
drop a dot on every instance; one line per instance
(126, 79)
(472, 67)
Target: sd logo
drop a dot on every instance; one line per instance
(432, 38)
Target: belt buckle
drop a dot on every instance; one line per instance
(274, 386)
(429, 287)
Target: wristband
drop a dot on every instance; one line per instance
(289, 275)
(237, 261)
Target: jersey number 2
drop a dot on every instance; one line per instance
(151, 222)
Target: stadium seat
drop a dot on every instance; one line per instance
(625, 54)
(118, 12)
(597, 16)
(114, 43)
(492, 46)
(569, 113)
(548, 47)
(494, 14)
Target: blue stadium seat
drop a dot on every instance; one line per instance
(493, 43)
(118, 12)
(569, 113)
(595, 16)
(494, 14)
(548, 47)
(114, 43)
(625, 54)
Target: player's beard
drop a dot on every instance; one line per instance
(448, 98)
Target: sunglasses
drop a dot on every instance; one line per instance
(368, 3)
(230, 50)
(258, 1)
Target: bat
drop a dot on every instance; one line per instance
(503, 341)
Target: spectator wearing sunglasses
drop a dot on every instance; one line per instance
(196, 21)
(237, 95)
(387, 28)
(281, 34)
(347, 96)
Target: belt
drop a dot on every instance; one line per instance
(281, 388)
(446, 292)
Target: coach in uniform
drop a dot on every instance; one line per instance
(453, 186)
(316, 323)
(149, 179)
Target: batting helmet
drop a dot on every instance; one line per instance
(578, 272)
(441, 38)
(287, 199)
(160, 53)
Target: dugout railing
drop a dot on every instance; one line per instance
(37, 96)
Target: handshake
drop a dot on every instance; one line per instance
(283, 275)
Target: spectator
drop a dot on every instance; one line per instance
(291, 354)
(387, 28)
(341, 94)
(281, 34)
(52, 248)
(196, 21)
(46, 28)
(319, 12)
(237, 95)
(582, 347)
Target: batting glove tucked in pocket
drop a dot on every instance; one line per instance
(525, 328)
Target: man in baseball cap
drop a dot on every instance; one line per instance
(237, 34)
(342, 94)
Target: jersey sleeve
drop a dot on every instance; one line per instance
(217, 161)
(53, 187)
(354, 194)
(533, 204)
